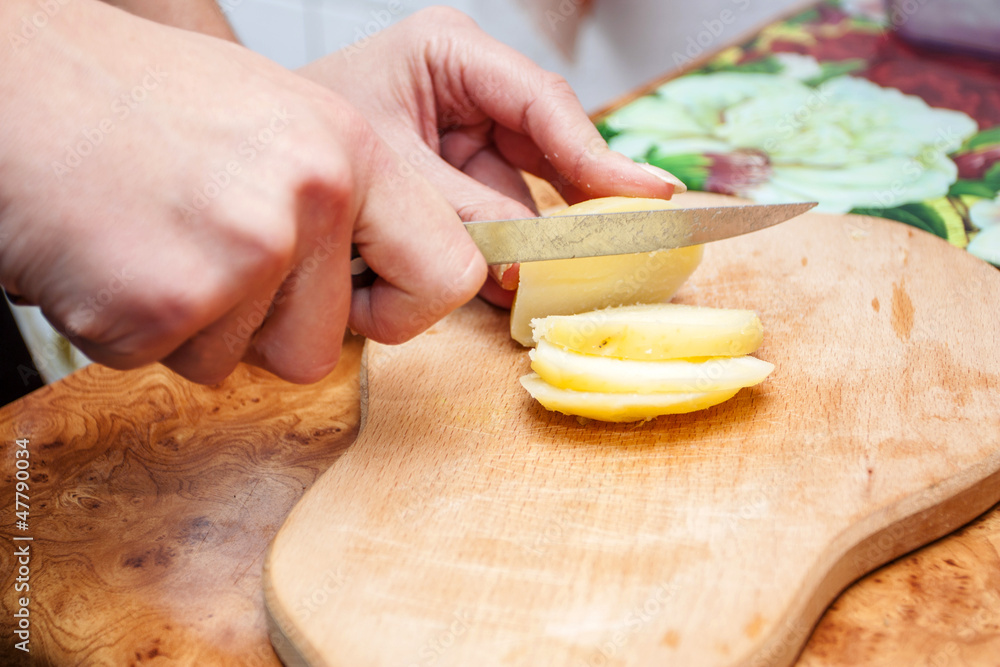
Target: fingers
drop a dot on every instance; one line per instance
(522, 151)
(301, 339)
(412, 239)
(476, 76)
(488, 178)
(480, 174)
(162, 314)
(211, 354)
(487, 167)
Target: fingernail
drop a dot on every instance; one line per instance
(666, 176)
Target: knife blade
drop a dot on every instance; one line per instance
(597, 234)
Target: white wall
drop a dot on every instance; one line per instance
(624, 44)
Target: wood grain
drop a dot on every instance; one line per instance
(469, 524)
(937, 607)
(152, 503)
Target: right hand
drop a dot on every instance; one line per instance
(472, 112)
(160, 187)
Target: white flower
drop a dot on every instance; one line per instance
(798, 66)
(869, 9)
(985, 213)
(847, 143)
(985, 245)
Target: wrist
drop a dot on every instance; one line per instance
(203, 16)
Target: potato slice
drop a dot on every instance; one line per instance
(620, 407)
(570, 286)
(585, 372)
(654, 332)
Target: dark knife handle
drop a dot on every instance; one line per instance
(361, 273)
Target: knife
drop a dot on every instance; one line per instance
(597, 234)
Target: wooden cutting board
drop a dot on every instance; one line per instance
(467, 525)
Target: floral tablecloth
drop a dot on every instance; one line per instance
(831, 105)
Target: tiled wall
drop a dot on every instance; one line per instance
(625, 42)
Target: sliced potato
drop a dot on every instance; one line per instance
(570, 286)
(654, 332)
(620, 407)
(586, 372)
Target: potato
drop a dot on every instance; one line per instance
(654, 332)
(640, 358)
(570, 286)
(619, 407)
(584, 372)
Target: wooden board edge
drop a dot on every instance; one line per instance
(281, 631)
(291, 648)
(362, 390)
(899, 538)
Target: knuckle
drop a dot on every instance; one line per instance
(325, 201)
(265, 246)
(503, 209)
(556, 84)
(439, 15)
(132, 329)
(334, 177)
(166, 310)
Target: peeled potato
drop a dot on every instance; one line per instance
(629, 362)
(570, 286)
(654, 332)
(584, 372)
(620, 407)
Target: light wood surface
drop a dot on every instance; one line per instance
(467, 525)
(939, 606)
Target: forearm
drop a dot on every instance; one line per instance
(202, 16)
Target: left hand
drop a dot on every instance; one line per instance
(468, 113)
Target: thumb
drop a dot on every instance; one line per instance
(411, 237)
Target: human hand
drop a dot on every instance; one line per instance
(169, 196)
(468, 112)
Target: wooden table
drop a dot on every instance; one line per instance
(152, 502)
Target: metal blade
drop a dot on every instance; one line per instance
(597, 234)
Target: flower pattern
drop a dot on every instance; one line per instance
(847, 143)
(832, 105)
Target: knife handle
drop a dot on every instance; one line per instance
(361, 274)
